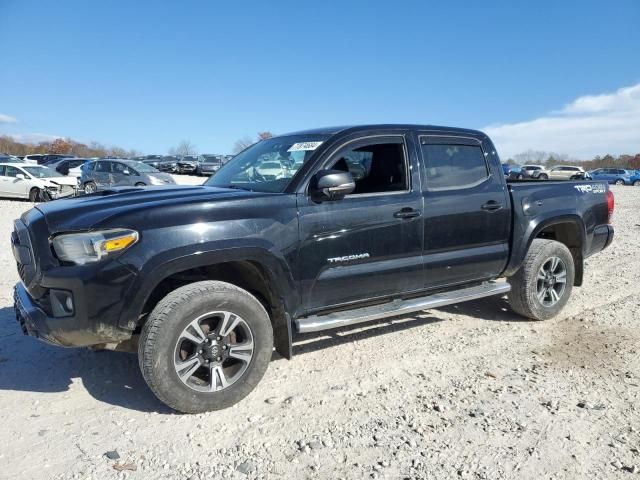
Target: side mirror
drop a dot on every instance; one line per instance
(20, 176)
(331, 185)
(126, 172)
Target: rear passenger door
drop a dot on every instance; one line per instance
(467, 211)
(102, 174)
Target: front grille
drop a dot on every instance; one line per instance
(21, 272)
(23, 252)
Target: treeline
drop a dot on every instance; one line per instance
(63, 146)
(550, 159)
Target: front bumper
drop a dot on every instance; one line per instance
(70, 331)
(185, 168)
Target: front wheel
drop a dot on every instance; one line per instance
(542, 286)
(90, 187)
(543, 176)
(34, 195)
(636, 183)
(140, 184)
(205, 346)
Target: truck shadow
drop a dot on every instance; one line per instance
(496, 309)
(312, 342)
(29, 365)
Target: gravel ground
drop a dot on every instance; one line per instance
(471, 391)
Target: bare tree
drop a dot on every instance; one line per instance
(242, 143)
(531, 156)
(185, 147)
(264, 135)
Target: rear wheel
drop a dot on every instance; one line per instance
(90, 187)
(140, 184)
(619, 182)
(35, 195)
(542, 286)
(205, 346)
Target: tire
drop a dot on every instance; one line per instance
(543, 176)
(90, 187)
(166, 343)
(526, 284)
(140, 184)
(636, 183)
(619, 182)
(34, 195)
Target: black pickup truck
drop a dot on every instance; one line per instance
(298, 233)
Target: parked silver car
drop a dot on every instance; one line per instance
(104, 174)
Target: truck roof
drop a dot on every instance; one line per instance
(382, 126)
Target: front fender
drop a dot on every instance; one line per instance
(173, 261)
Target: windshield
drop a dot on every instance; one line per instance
(269, 165)
(142, 167)
(42, 172)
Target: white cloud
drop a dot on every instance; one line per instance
(7, 118)
(590, 125)
(33, 137)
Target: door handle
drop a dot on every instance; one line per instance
(407, 212)
(491, 206)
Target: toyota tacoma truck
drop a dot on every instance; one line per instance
(363, 223)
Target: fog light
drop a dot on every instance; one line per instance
(61, 303)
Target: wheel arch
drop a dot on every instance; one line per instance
(567, 229)
(256, 270)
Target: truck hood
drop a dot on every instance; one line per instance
(135, 203)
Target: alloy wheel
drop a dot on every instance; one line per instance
(551, 281)
(213, 351)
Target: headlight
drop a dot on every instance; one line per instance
(89, 247)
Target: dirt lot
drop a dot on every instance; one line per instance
(471, 391)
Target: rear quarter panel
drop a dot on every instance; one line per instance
(542, 204)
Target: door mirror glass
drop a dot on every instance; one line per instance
(331, 185)
(20, 176)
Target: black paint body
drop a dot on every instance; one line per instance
(453, 241)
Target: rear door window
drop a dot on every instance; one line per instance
(452, 165)
(103, 167)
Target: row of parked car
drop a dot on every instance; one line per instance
(47, 177)
(617, 176)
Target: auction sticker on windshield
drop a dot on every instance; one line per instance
(304, 146)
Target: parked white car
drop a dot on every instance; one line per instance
(565, 172)
(34, 182)
(272, 170)
(535, 171)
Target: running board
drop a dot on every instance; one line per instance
(394, 308)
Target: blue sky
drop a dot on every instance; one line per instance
(147, 74)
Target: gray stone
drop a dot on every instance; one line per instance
(112, 455)
(246, 467)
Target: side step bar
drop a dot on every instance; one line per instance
(343, 318)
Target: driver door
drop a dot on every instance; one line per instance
(369, 244)
(121, 175)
